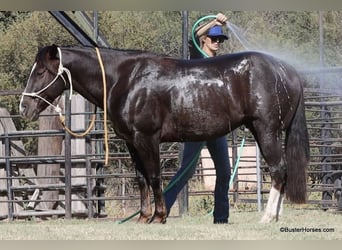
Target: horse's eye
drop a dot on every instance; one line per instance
(40, 72)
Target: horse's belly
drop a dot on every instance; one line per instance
(196, 126)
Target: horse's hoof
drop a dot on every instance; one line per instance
(144, 219)
(158, 220)
(266, 219)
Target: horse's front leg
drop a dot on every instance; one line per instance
(160, 213)
(148, 150)
(145, 197)
(145, 200)
(153, 169)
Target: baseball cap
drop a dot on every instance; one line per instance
(217, 32)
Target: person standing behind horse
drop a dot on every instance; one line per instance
(210, 36)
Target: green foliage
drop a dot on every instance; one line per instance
(7, 18)
(293, 33)
(296, 33)
(156, 31)
(19, 44)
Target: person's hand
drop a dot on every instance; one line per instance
(221, 19)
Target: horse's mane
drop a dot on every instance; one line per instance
(126, 51)
(145, 53)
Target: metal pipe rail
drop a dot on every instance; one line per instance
(311, 106)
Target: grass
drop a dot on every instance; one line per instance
(242, 226)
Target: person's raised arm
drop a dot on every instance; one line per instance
(220, 19)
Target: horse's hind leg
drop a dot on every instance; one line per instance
(145, 199)
(274, 206)
(271, 149)
(276, 195)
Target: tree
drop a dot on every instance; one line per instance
(291, 35)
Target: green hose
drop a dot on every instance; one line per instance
(193, 33)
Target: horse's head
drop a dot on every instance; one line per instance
(46, 82)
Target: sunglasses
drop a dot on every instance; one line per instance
(216, 39)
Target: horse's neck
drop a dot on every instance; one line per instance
(86, 79)
(86, 70)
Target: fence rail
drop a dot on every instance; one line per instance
(100, 186)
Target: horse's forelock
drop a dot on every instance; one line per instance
(44, 55)
(47, 52)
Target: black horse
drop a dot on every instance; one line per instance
(154, 99)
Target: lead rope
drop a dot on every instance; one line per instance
(91, 125)
(104, 106)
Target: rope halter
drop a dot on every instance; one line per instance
(61, 70)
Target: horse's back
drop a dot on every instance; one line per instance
(202, 98)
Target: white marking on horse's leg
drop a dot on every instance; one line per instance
(272, 206)
(279, 208)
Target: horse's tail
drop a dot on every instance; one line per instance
(297, 155)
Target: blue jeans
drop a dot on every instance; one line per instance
(218, 149)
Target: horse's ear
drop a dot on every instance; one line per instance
(53, 52)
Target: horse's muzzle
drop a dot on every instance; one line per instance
(26, 111)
